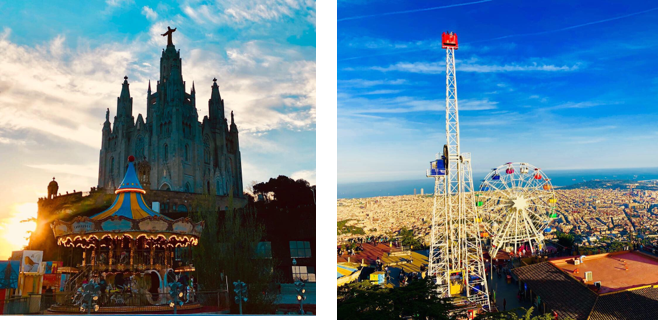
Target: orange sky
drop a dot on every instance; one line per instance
(13, 231)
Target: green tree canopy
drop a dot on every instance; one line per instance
(288, 193)
(565, 239)
(228, 247)
(417, 300)
(408, 239)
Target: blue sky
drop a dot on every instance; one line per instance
(561, 85)
(62, 65)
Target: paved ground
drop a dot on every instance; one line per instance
(506, 291)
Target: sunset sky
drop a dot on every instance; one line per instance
(60, 70)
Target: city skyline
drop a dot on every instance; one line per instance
(552, 92)
(60, 75)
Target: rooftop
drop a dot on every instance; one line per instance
(616, 271)
(624, 294)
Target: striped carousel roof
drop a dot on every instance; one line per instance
(129, 202)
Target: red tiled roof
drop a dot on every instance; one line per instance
(369, 254)
(635, 304)
(560, 292)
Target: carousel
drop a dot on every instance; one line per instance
(129, 250)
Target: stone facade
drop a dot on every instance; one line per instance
(173, 150)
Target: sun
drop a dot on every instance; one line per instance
(13, 232)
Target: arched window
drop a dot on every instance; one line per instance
(206, 150)
(187, 158)
(188, 188)
(208, 184)
(166, 152)
(217, 189)
(182, 208)
(112, 167)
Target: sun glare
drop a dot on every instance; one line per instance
(13, 231)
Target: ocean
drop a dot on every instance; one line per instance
(559, 178)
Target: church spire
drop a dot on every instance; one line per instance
(149, 90)
(125, 90)
(124, 101)
(234, 128)
(215, 91)
(193, 91)
(215, 104)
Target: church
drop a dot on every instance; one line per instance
(173, 150)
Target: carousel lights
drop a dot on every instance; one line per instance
(130, 190)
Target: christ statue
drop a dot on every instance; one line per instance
(168, 34)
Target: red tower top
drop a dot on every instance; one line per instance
(449, 40)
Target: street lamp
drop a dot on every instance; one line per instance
(90, 293)
(240, 293)
(301, 293)
(176, 295)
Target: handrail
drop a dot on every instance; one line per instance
(72, 283)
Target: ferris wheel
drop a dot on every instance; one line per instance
(516, 203)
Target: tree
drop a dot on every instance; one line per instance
(206, 251)
(287, 192)
(417, 300)
(228, 246)
(566, 240)
(408, 239)
(513, 315)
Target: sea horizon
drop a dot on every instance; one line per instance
(559, 178)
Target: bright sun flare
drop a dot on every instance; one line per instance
(13, 231)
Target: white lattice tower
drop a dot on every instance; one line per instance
(456, 247)
(442, 239)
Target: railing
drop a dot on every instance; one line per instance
(19, 305)
(70, 302)
(72, 283)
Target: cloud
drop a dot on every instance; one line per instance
(88, 170)
(411, 11)
(439, 67)
(308, 175)
(364, 83)
(376, 92)
(64, 92)
(149, 13)
(246, 12)
(4, 140)
(59, 91)
(568, 27)
(580, 105)
(118, 3)
(349, 104)
(585, 140)
(257, 80)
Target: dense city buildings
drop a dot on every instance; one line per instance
(597, 217)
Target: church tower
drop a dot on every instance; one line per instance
(173, 150)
